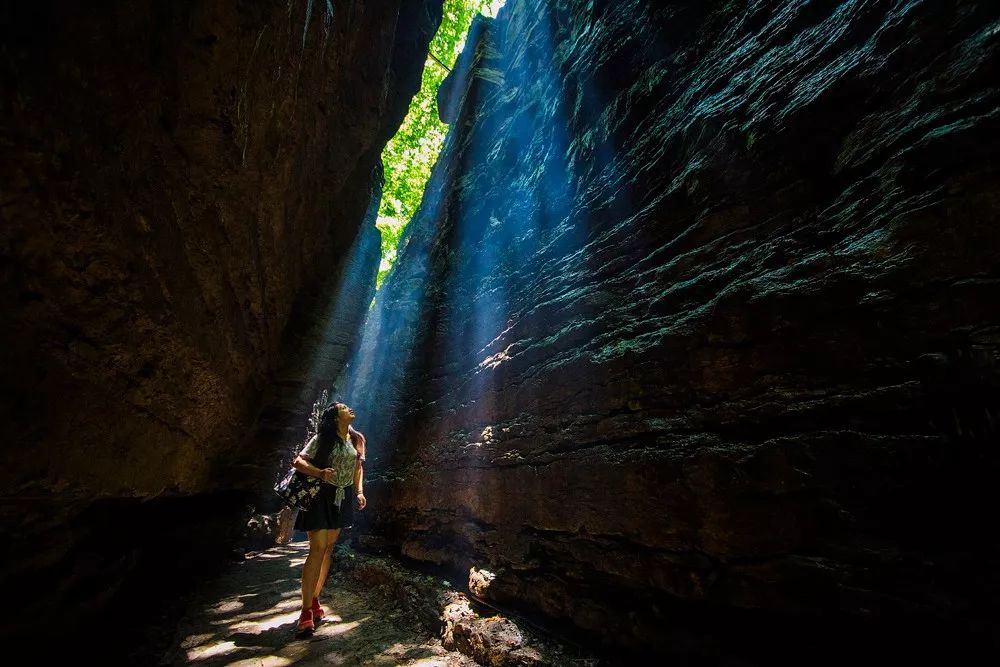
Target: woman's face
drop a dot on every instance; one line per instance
(344, 414)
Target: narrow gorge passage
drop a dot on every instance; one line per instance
(689, 353)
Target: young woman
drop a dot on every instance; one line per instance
(335, 455)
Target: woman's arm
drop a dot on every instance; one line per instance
(359, 477)
(304, 466)
(359, 482)
(358, 438)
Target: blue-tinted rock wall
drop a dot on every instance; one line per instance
(700, 310)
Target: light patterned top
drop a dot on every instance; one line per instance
(342, 460)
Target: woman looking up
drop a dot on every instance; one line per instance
(335, 455)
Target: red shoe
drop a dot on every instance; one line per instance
(317, 611)
(306, 625)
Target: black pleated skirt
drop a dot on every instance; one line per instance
(324, 512)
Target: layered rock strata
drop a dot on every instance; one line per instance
(697, 324)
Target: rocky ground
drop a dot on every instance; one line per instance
(379, 613)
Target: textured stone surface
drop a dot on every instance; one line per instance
(495, 641)
(186, 215)
(450, 615)
(175, 177)
(698, 325)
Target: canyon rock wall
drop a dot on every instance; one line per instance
(698, 320)
(187, 214)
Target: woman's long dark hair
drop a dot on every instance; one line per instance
(328, 421)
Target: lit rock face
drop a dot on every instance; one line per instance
(182, 185)
(699, 319)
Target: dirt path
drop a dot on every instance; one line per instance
(247, 617)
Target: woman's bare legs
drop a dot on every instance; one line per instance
(314, 562)
(332, 535)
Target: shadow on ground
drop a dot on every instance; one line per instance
(247, 617)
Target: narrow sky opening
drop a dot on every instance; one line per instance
(410, 154)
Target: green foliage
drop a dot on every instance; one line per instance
(410, 155)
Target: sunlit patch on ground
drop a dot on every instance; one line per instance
(248, 617)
